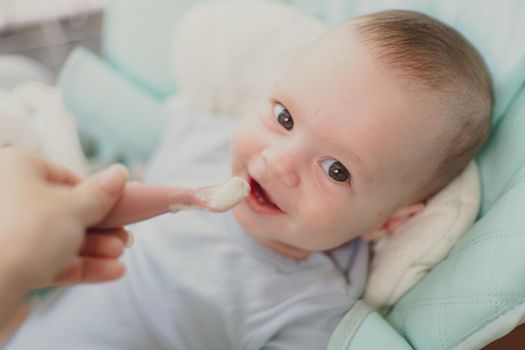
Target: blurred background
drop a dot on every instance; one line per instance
(36, 36)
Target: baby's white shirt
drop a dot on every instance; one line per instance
(196, 280)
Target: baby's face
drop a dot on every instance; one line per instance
(329, 156)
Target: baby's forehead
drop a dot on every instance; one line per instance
(337, 76)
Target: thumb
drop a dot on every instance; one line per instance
(96, 196)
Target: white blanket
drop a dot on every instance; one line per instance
(33, 116)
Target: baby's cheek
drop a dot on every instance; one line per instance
(329, 217)
(238, 146)
(321, 216)
(327, 233)
(241, 138)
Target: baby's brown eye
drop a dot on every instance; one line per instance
(283, 116)
(336, 170)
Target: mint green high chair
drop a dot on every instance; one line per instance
(477, 293)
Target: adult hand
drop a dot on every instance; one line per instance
(46, 213)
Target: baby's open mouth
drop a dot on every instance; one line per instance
(261, 196)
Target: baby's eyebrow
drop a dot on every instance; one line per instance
(357, 166)
(356, 162)
(279, 95)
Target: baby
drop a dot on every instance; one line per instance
(375, 117)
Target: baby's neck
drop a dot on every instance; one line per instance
(285, 249)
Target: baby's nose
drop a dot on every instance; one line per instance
(282, 164)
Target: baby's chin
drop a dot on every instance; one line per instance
(246, 222)
(239, 217)
(275, 245)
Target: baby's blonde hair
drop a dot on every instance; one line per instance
(434, 54)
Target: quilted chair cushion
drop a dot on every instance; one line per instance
(475, 289)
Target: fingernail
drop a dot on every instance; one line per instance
(112, 178)
(130, 240)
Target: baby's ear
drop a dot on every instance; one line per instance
(393, 222)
